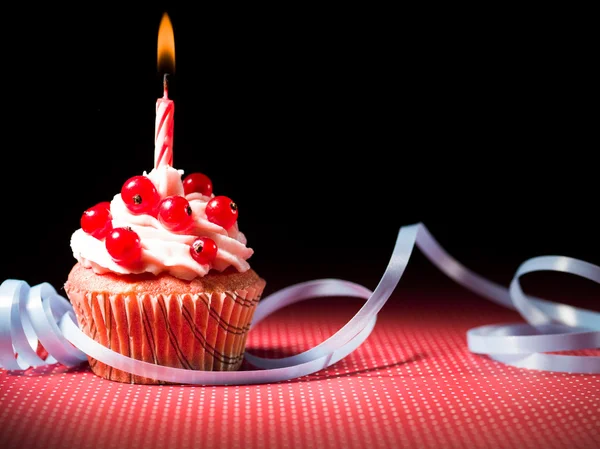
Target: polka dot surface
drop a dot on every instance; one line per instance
(413, 383)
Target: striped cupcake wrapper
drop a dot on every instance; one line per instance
(204, 331)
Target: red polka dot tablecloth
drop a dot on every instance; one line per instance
(413, 383)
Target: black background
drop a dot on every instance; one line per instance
(331, 129)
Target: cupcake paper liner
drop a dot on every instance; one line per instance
(205, 331)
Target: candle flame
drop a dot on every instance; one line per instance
(166, 46)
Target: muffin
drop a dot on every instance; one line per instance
(162, 275)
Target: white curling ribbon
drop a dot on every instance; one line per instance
(39, 313)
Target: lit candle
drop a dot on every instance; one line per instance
(165, 107)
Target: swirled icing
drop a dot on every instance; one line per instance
(163, 250)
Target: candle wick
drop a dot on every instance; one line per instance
(165, 86)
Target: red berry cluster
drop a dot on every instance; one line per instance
(174, 212)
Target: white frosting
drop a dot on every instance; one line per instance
(163, 250)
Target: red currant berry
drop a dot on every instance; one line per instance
(139, 195)
(123, 245)
(96, 221)
(222, 211)
(105, 204)
(197, 182)
(203, 250)
(175, 213)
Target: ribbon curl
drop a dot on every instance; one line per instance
(39, 313)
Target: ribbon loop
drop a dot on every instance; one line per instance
(28, 314)
(15, 350)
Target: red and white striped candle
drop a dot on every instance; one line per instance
(163, 133)
(165, 108)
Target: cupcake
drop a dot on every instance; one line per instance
(162, 275)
